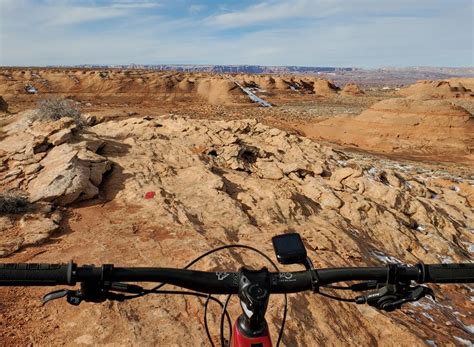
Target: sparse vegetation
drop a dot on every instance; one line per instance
(53, 109)
(13, 203)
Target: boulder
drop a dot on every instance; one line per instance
(89, 119)
(52, 160)
(60, 137)
(330, 201)
(352, 89)
(68, 174)
(34, 227)
(268, 170)
(341, 174)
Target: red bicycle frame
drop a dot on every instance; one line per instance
(239, 339)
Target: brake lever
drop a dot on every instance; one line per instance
(73, 297)
(57, 294)
(416, 294)
(93, 293)
(392, 297)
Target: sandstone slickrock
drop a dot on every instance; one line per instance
(32, 227)
(212, 89)
(418, 127)
(221, 182)
(436, 90)
(466, 82)
(211, 190)
(256, 159)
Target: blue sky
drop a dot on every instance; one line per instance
(361, 33)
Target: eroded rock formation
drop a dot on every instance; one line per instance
(417, 127)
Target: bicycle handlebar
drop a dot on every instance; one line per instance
(449, 273)
(23, 274)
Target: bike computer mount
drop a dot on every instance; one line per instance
(290, 249)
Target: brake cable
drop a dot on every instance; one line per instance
(285, 308)
(206, 326)
(155, 290)
(224, 309)
(101, 294)
(336, 297)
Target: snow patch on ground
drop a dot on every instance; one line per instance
(386, 259)
(464, 341)
(445, 259)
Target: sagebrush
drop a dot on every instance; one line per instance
(54, 109)
(13, 203)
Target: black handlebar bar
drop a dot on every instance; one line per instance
(227, 282)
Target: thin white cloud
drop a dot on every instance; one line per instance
(280, 10)
(69, 16)
(63, 13)
(265, 12)
(135, 5)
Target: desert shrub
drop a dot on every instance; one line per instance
(53, 109)
(13, 203)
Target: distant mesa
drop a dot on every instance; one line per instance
(241, 69)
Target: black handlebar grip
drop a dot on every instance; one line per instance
(29, 274)
(449, 273)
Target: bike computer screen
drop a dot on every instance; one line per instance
(289, 248)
